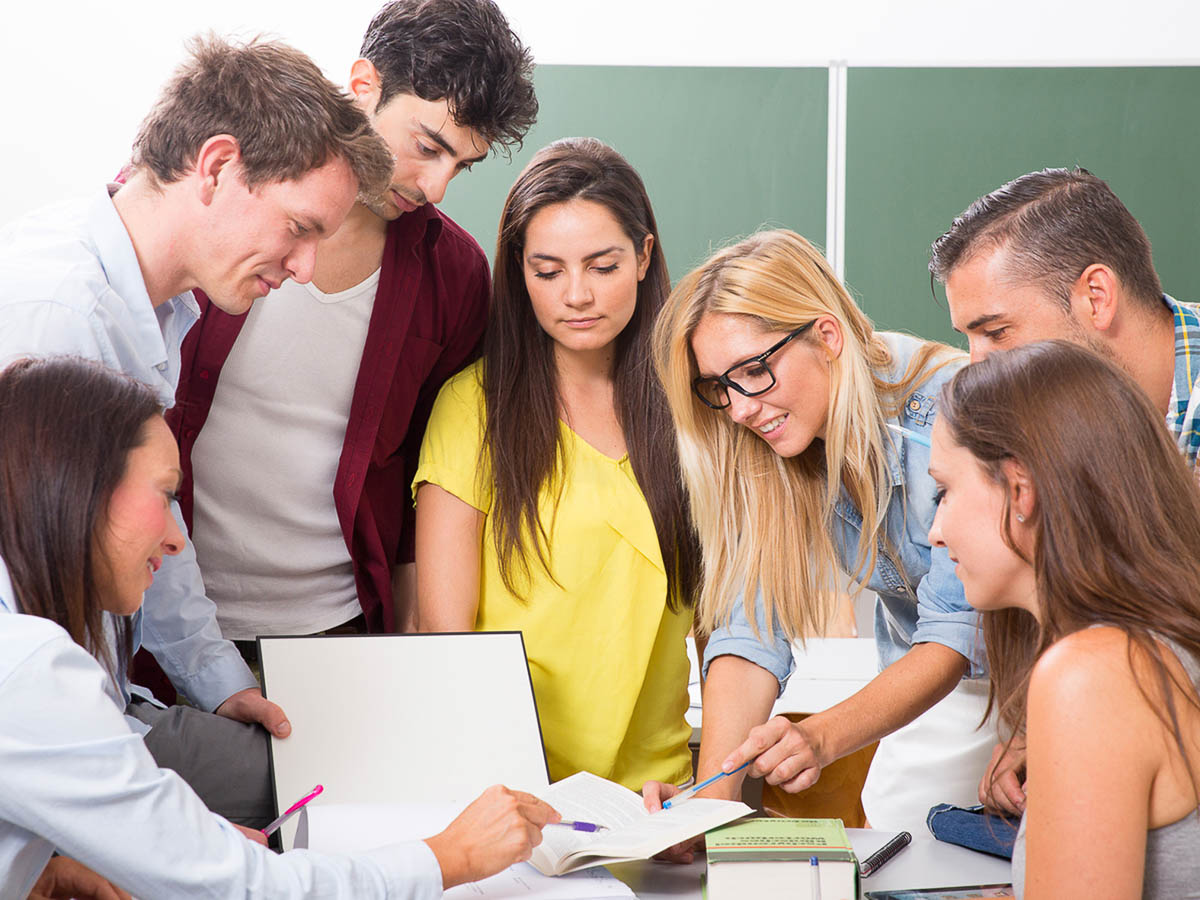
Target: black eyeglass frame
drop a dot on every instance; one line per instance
(761, 359)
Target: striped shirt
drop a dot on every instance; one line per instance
(1183, 412)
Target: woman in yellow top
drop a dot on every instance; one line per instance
(549, 498)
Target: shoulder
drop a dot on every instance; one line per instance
(25, 638)
(462, 394)
(1094, 669)
(49, 264)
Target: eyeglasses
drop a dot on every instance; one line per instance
(749, 378)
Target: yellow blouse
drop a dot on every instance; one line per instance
(606, 654)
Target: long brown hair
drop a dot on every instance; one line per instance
(522, 438)
(68, 426)
(1116, 520)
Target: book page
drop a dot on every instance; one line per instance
(633, 832)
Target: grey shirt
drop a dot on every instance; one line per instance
(1172, 852)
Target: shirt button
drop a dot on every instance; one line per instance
(914, 405)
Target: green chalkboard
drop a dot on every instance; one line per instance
(921, 144)
(722, 150)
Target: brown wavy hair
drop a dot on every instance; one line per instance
(522, 439)
(68, 425)
(1116, 520)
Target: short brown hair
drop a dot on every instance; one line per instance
(285, 115)
(1054, 224)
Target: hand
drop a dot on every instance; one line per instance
(500, 828)
(785, 754)
(653, 794)
(1003, 786)
(251, 834)
(251, 706)
(64, 879)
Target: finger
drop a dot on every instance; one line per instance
(805, 779)
(251, 834)
(271, 717)
(539, 812)
(786, 759)
(652, 796)
(761, 738)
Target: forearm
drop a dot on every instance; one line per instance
(896, 696)
(404, 598)
(738, 695)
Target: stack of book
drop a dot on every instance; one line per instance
(769, 858)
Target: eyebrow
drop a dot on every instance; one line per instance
(982, 320)
(607, 250)
(437, 138)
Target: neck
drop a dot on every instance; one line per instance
(352, 252)
(1146, 349)
(161, 251)
(587, 369)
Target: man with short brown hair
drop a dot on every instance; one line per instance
(247, 160)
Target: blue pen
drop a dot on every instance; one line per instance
(911, 435)
(691, 792)
(814, 866)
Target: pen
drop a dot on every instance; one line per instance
(875, 861)
(292, 810)
(911, 435)
(580, 826)
(691, 792)
(814, 866)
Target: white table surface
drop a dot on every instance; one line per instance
(925, 863)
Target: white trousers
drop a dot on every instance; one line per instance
(939, 757)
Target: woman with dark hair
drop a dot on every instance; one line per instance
(1075, 525)
(548, 496)
(88, 468)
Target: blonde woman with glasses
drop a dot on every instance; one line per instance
(804, 441)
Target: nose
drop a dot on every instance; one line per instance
(742, 409)
(579, 292)
(434, 183)
(302, 261)
(935, 530)
(977, 349)
(173, 542)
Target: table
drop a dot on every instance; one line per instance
(925, 863)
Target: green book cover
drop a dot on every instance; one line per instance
(766, 839)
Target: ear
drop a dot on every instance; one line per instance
(216, 163)
(1095, 297)
(829, 332)
(643, 257)
(365, 85)
(1022, 498)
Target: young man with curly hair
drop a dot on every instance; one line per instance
(299, 423)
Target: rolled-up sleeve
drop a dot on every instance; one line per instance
(945, 617)
(770, 650)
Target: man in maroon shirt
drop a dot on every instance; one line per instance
(299, 424)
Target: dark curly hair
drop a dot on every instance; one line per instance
(461, 51)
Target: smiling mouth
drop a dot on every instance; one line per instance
(403, 202)
(772, 425)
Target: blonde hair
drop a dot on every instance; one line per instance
(764, 520)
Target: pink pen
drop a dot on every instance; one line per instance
(292, 810)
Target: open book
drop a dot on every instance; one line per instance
(632, 832)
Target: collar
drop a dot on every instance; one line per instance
(1187, 354)
(119, 261)
(425, 222)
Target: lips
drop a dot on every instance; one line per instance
(402, 202)
(581, 323)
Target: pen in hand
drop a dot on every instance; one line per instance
(691, 792)
(292, 810)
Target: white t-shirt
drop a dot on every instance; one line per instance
(267, 535)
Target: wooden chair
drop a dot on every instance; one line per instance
(836, 795)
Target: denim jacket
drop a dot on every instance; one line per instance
(923, 601)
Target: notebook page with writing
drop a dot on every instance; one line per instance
(632, 832)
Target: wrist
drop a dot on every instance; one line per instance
(449, 860)
(818, 739)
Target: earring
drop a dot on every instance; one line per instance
(1020, 518)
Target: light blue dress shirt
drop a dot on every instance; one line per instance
(70, 284)
(922, 602)
(75, 778)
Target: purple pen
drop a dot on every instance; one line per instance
(580, 826)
